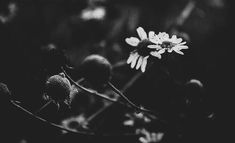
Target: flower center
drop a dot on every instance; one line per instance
(167, 45)
(142, 49)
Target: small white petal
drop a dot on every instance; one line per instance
(154, 47)
(154, 38)
(142, 34)
(179, 52)
(144, 64)
(133, 41)
(139, 63)
(163, 36)
(151, 34)
(129, 123)
(176, 40)
(162, 51)
(143, 140)
(134, 60)
(173, 37)
(182, 43)
(182, 47)
(156, 54)
(130, 58)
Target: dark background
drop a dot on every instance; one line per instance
(208, 32)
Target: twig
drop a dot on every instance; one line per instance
(92, 92)
(138, 109)
(47, 122)
(44, 106)
(59, 127)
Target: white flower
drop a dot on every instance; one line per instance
(93, 13)
(138, 57)
(152, 44)
(149, 137)
(177, 45)
(165, 43)
(172, 44)
(75, 122)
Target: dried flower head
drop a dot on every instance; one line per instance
(58, 87)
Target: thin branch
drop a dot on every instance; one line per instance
(89, 91)
(134, 106)
(44, 106)
(47, 122)
(59, 127)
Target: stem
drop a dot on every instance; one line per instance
(93, 116)
(43, 107)
(47, 122)
(128, 85)
(137, 108)
(132, 81)
(59, 127)
(132, 105)
(92, 92)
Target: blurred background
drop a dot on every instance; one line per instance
(78, 28)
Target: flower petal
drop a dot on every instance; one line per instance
(174, 37)
(179, 52)
(176, 40)
(156, 54)
(139, 63)
(182, 47)
(142, 34)
(133, 41)
(130, 58)
(143, 140)
(151, 34)
(134, 60)
(128, 123)
(163, 36)
(144, 64)
(161, 51)
(154, 47)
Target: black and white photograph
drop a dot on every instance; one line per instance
(116, 71)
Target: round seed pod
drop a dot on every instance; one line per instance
(58, 87)
(96, 69)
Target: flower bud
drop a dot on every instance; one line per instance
(96, 69)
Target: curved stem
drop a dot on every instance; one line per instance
(132, 81)
(49, 123)
(59, 127)
(137, 108)
(92, 92)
